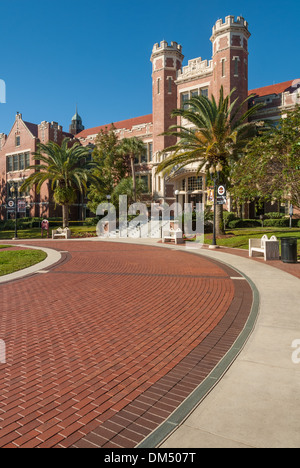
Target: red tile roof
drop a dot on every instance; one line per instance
(128, 124)
(273, 89)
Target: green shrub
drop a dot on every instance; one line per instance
(285, 222)
(280, 223)
(228, 216)
(76, 223)
(244, 223)
(91, 221)
(274, 215)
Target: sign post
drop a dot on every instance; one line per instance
(221, 195)
(291, 215)
(21, 206)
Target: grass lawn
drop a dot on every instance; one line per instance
(19, 259)
(35, 233)
(239, 238)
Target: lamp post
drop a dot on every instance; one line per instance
(215, 174)
(291, 212)
(177, 194)
(14, 191)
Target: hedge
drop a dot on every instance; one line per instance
(280, 223)
(274, 215)
(244, 223)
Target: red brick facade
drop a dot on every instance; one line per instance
(172, 85)
(16, 154)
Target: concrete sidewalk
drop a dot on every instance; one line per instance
(256, 404)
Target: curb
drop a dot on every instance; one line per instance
(53, 256)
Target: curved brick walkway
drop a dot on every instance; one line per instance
(105, 346)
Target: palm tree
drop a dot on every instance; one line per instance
(215, 136)
(66, 168)
(132, 147)
(125, 187)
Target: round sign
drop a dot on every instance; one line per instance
(10, 203)
(221, 190)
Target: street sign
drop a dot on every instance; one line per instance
(21, 206)
(10, 203)
(221, 195)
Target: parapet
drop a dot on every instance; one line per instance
(196, 68)
(164, 46)
(229, 23)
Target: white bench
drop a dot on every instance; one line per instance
(60, 232)
(268, 247)
(172, 235)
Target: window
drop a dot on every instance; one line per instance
(236, 66)
(183, 185)
(195, 183)
(170, 85)
(223, 68)
(18, 162)
(194, 93)
(204, 92)
(9, 164)
(18, 140)
(145, 181)
(184, 99)
(27, 160)
(144, 156)
(21, 162)
(15, 162)
(150, 150)
(158, 85)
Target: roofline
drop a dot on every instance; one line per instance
(120, 124)
(263, 91)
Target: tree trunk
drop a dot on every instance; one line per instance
(133, 178)
(65, 213)
(219, 221)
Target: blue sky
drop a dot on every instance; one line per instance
(94, 53)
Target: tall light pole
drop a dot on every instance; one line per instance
(215, 174)
(14, 191)
(177, 195)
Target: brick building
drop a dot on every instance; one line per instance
(16, 155)
(172, 86)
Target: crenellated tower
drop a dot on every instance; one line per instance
(166, 61)
(230, 56)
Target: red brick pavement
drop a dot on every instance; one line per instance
(102, 348)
